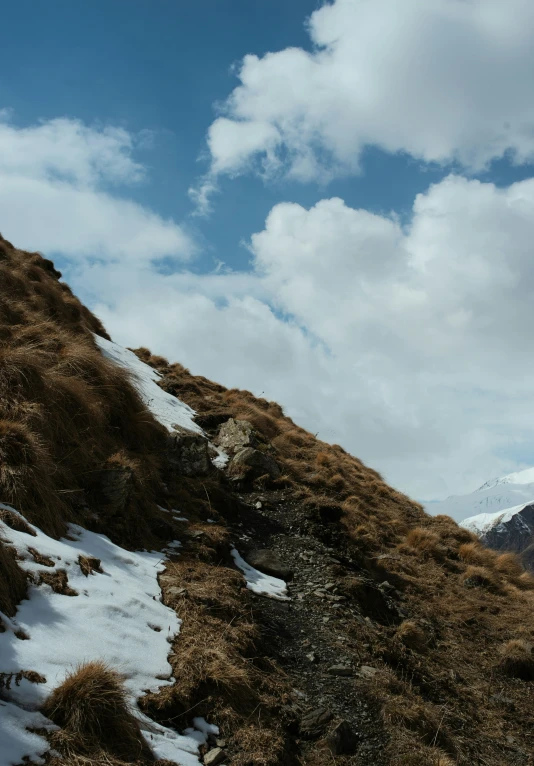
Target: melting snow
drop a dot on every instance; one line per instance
(167, 409)
(260, 583)
(116, 617)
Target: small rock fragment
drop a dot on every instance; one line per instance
(340, 670)
(214, 756)
(269, 562)
(314, 721)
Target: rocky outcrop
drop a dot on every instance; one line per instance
(235, 435)
(251, 463)
(113, 487)
(250, 455)
(188, 452)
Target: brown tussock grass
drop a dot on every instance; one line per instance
(517, 659)
(412, 635)
(65, 410)
(216, 662)
(91, 709)
(480, 577)
(475, 553)
(426, 542)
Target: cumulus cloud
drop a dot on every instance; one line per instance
(442, 80)
(409, 345)
(62, 190)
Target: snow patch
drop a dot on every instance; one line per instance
(167, 409)
(262, 584)
(117, 617)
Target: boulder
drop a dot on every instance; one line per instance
(270, 563)
(313, 723)
(188, 452)
(113, 487)
(342, 740)
(235, 435)
(251, 463)
(214, 757)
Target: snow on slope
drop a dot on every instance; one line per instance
(483, 522)
(117, 617)
(167, 409)
(512, 491)
(260, 583)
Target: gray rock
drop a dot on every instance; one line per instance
(113, 487)
(270, 563)
(214, 756)
(340, 670)
(252, 463)
(188, 452)
(366, 671)
(313, 723)
(342, 740)
(235, 435)
(312, 657)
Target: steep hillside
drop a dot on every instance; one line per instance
(186, 575)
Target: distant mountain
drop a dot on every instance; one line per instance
(515, 489)
(500, 512)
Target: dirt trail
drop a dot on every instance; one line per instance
(313, 636)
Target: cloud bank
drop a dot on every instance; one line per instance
(442, 80)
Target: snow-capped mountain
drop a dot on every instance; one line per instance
(500, 512)
(512, 491)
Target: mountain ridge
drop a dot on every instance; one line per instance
(387, 623)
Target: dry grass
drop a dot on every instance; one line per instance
(412, 635)
(517, 659)
(91, 709)
(474, 553)
(480, 577)
(216, 664)
(65, 411)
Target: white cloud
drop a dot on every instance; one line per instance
(443, 80)
(409, 346)
(55, 180)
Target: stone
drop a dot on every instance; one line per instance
(366, 671)
(340, 670)
(188, 452)
(270, 563)
(235, 435)
(214, 756)
(342, 740)
(113, 488)
(252, 463)
(312, 657)
(313, 723)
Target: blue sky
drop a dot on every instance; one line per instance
(360, 249)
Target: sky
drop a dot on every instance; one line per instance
(328, 204)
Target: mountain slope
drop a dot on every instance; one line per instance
(233, 568)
